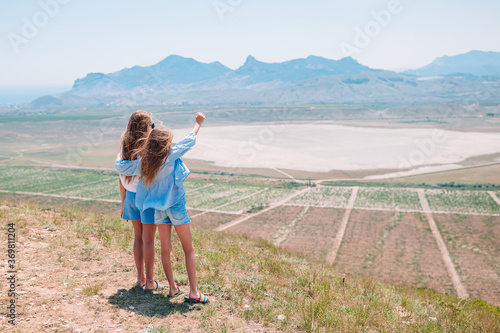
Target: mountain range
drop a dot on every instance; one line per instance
(474, 76)
(477, 63)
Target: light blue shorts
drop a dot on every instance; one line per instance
(175, 215)
(132, 213)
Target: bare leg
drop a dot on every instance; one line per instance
(165, 231)
(148, 239)
(138, 253)
(184, 233)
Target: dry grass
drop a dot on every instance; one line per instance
(76, 272)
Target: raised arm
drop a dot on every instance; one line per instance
(182, 147)
(189, 140)
(200, 118)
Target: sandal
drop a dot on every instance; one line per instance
(137, 286)
(158, 287)
(178, 293)
(202, 299)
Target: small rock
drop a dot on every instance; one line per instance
(131, 307)
(246, 306)
(433, 318)
(281, 317)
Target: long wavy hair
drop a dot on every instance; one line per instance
(135, 136)
(154, 153)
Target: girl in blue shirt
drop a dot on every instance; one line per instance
(162, 174)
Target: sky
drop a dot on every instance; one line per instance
(72, 38)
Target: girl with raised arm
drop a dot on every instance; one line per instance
(162, 174)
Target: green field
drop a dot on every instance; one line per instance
(80, 183)
(238, 196)
(324, 196)
(259, 200)
(218, 195)
(462, 201)
(388, 198)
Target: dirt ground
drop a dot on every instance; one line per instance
(394, 247)
(315, 233)
(474, 246)
(70, 284)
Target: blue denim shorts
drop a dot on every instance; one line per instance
(175, 215)
(132, 213)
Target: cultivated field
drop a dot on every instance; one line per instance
(313, 233)
(267, 225)
(473, 242)
(387, 198)
(393, 246)
(211, 220)
(387, 235)
(262, 198)
(219, 194)
(328, 196)
(462, 201)
(84, 184)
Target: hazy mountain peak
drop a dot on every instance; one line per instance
(349, 60)
(250, 59)
(252, 65)
(474, 62)
(176, 60)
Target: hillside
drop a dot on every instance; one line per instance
(75, 260)
(313, 80)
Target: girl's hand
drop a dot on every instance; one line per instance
(200, 118)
